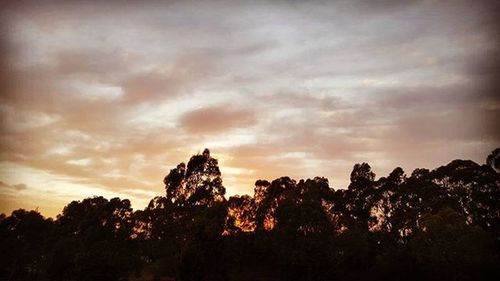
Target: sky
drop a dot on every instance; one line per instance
(105, 98)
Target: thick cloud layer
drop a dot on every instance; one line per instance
(106, 98)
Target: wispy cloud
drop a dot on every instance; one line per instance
(109, 96)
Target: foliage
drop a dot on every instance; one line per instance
(441, 224)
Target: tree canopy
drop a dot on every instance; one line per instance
(439, 224)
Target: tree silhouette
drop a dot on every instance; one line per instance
(23, 244)
(447, 248)
(199, 183)
(493, 159)
(188, 223)
(94, 241)
(440, 224)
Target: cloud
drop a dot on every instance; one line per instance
(94, 62)
(217, 119)
(16, 187)
(110, 96)
(20, 187)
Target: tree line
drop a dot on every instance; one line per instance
(441, 224)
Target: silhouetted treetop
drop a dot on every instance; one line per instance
(361, 175)
(200, 183)
(397, 176)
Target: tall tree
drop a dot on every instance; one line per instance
(195, 212)
(200, 183)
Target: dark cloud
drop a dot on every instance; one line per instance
(217, 119)
(20, 187)
(16, 187)
(176, 80)
(148, 86)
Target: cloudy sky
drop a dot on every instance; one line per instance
(104, 99)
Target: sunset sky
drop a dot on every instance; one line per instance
(104, 99)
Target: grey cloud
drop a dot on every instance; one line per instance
(17, 187)
(95, 62)
(287, 98)
(216, 119)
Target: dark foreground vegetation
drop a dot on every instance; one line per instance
(442, 224)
